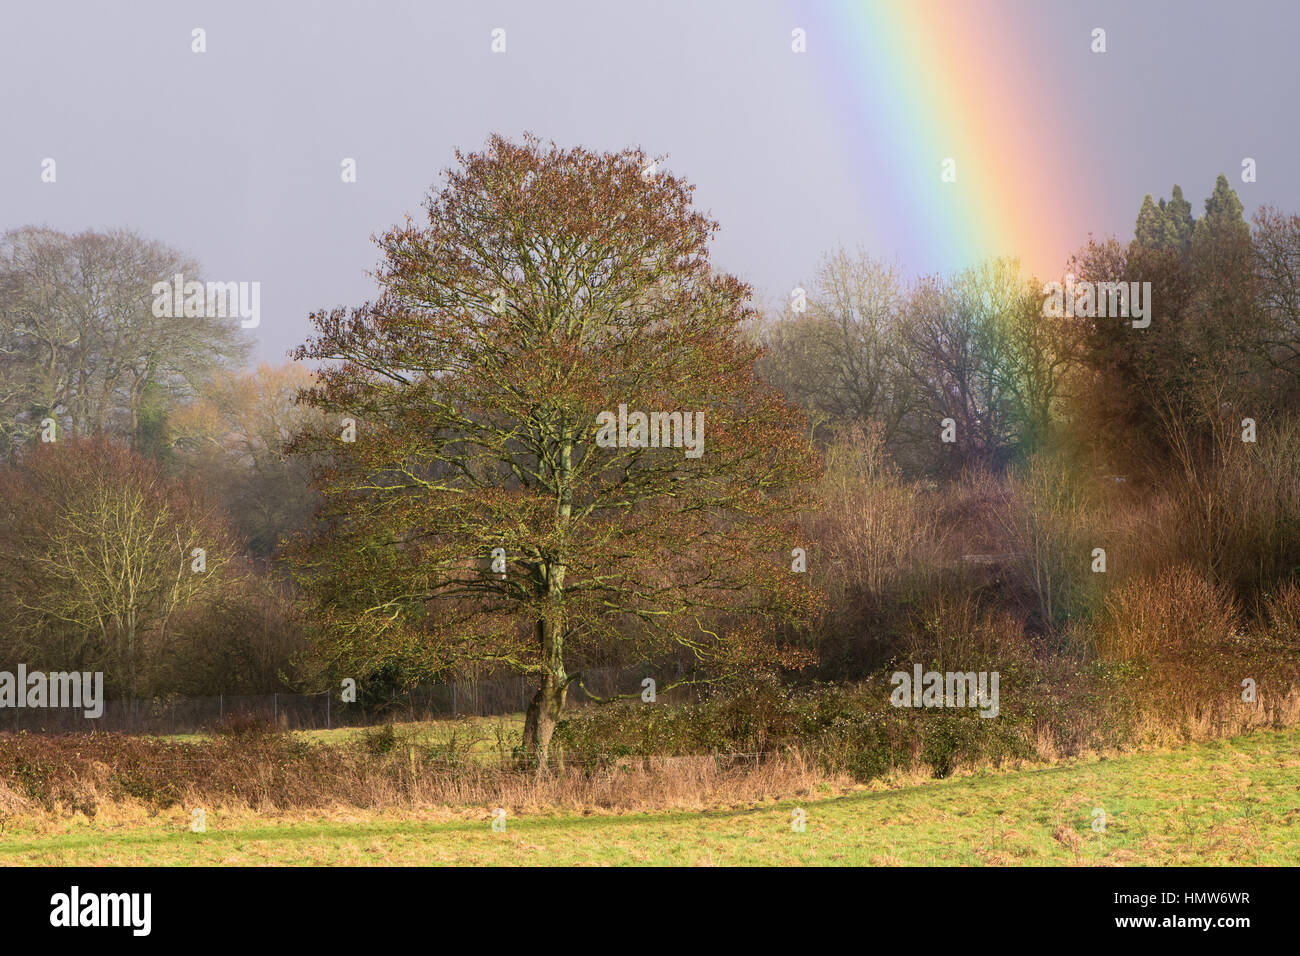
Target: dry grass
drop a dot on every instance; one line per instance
(90, 775)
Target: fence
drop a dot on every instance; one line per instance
(323, 711)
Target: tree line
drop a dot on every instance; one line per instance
(427, 496)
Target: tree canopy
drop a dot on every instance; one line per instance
(559, 439)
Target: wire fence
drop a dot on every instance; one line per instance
(324, 711)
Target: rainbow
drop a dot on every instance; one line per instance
(915, 82)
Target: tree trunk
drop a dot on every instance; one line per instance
(543, 714)
(548, 703)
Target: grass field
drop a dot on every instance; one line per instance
(1233, 802)
(486, 739)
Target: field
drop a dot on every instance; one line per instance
(1229, 802)
(485, 739)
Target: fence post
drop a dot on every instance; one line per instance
(454, 711)
(275, 708)
(328, 697)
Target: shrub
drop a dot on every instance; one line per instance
(956, 630)
(1281, 613)
(379, 741)
(870, 526)
(1051, 522)
(851, 731)
(1163, 616)
(1235, 510)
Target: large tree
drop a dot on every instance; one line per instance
(480, 514)
(79, 341)
(1209, 336)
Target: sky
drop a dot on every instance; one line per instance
(804, 126)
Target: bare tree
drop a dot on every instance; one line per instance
(982, 354)
(1277, 263)
(839, 359)
(233, 438)
(79, 341)
(101, 547)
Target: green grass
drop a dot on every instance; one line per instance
(481, 733)
(1233, 802)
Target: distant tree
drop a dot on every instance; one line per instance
(1124, 370)
(975, 349)
(981, 354)
(1223, 212)
(1150, 230)
(479, 514)
(1277, 267)
(234, 439)
(99, 553)
(1225, 326)
(79, 341)
(1042, 354)
(1165, 225)
(1205, 332)
(1178, 222)
(839, 359)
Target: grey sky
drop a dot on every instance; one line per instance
(234, 155)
